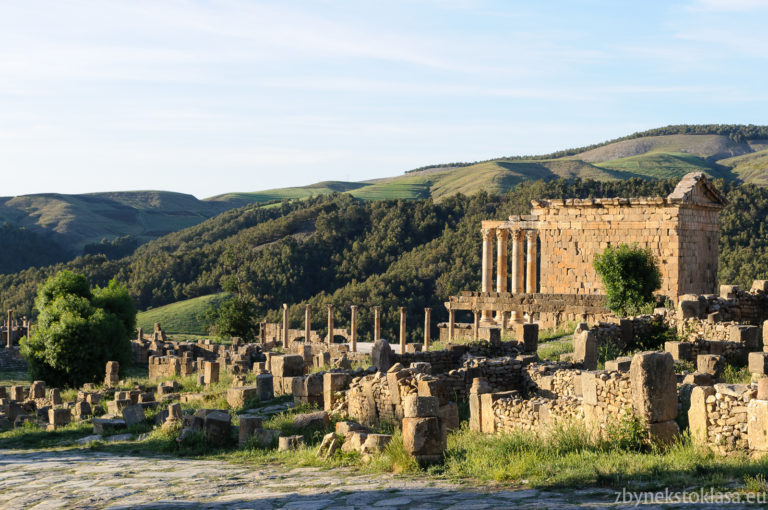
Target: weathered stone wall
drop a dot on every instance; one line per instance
(10, 359)
(572, 232)
(718, 416)
(161, 367)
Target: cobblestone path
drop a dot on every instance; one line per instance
(85, 479)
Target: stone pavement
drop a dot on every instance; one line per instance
(85, 479)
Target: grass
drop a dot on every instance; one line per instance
(554, 348)
(14, 378)
(181, 318)
(736, 375)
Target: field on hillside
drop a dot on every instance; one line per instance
(180, 317)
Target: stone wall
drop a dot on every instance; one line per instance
(681, 230)
(161, 367)
(10, 359)
(718, 416)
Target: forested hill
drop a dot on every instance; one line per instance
(341, 250)
(114, 224)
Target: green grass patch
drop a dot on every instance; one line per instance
(182, 317)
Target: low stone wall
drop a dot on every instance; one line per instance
(535, 415)
(718, 416)
(732, 305)
(553, 380)
(162, 367)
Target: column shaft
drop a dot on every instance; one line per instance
(376, 323)
(307, 324)
(285, 326)
(330, 324)
(451, 325)
(530, 280)
(487, 266)
(427, 328)
(402, 330)
(353, 328)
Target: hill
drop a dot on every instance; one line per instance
(115, 223)
(734, 153)
(180, 317)
(341, 250)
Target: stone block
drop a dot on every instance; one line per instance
(680, 351)
(589, 387)
(333, 384)
(265, 384)
(762, 388)
(759, 286)
(210, 372)
(81, 410)
(487, 418)
(239, 396)
(345, 427)
(585, 349)
(697, 413)
(18, 394)
(299, 387)
(433, 388)
(375, 443)
(421, 367)
(757, 425)
(449, 417)
(423, 438)
(688, 308)
(105, 426)
(133, 414)
(758, 363)
(117, 406)
(381, 355)
(286, 443)
(619, 364)
(248, 426)
(664, 432)
(290, 365)
(37, 390)
(698, 379)
(318, 420)
(711, 364)
(217, 427)
(353, 441)
(729, 291)
(654, 386)
(313, 385)
(59, 417)
(749, 336)
(527, 336)
(415, 406)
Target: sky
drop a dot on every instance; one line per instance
(208, 97)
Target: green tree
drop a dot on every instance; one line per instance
(630, 276)
(233, 317)
(79, 330)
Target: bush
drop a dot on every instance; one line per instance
(630, 276)
(79, 330)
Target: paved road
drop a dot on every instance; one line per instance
(85, 479)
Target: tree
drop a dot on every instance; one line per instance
(630, 276)
(79, 330)
(233, 317)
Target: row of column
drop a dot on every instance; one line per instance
(353, 326)
(523, 269)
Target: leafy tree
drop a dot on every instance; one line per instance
(79, 330)
(233, 317)
(630, 275)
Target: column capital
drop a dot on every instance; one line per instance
(285, 306)
(330, 306)
(532, 234)
(353, 307)
(502, 234)
(487, 233)
(518, 234)
(307, 307)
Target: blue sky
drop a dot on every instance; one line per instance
(206, 97)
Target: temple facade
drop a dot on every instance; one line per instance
(552, 250)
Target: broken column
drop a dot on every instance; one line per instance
(427, 328)
(422, 434)
(479, 386)
(654, 393)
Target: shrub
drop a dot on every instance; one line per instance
(630, 276)
(79, 330)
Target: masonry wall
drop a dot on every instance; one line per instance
(571, 232)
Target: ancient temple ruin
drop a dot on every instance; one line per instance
(553, 249)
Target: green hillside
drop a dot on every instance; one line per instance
(181, 316)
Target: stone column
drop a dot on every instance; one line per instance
(451, 325)
(307, 324)
(285, 326)
(427, 328)
(9, 338)
(402, 330)
(476, 326)
(353, 328)
(502, 235)
(518, 268)
(376, 323)
(330, 324)
(530, 269)
(487, 266)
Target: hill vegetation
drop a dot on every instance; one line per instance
(342, 250)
